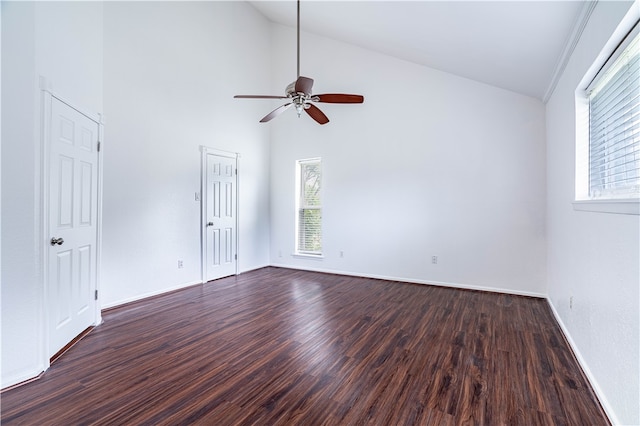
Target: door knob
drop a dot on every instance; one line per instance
(58, 241)
(210, 224)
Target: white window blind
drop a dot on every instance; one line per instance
(309, 206)
(614, 124)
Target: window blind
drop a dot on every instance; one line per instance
(309, 235)
(614, 124)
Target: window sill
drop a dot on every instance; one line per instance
(623, 206)
(308, 256)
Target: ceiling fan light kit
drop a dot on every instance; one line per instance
(299, 95)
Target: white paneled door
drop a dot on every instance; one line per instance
(220, 215)
(72, 240)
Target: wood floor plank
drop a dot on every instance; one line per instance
(283, 347)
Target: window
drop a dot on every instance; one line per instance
(309, 207)
(614, 126)
(608, 133)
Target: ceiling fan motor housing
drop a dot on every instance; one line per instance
(291, 89)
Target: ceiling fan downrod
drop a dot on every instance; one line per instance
(298, 40)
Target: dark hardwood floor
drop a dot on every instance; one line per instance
(278, 346)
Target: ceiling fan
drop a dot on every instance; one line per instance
(299, 94)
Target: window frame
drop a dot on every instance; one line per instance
(584, 200)
(299, 199)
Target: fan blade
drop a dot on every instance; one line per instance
(276, 112)
(304, 85)
(259, 97)
(315, 113)
(340, 98)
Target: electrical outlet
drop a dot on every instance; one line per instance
(341, 253)
(434, 259)
(180, 264)
(197, 196)
(279, 253)
(571, 302)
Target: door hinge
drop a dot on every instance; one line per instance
(235, 256)
(98, 146)
(96, 295)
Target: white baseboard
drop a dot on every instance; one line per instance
(150, 294)
(254, 268)
(166, 290)
(22, 377)
(585, 368)
(417, 281)
(331, 271)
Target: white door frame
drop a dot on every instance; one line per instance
(204, 150)
(46, 98)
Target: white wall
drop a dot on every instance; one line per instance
(593, 257)
(63, 43)
(20, 290)
(170, 72)
(430, 164)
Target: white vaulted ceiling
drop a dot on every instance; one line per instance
(515, 45)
